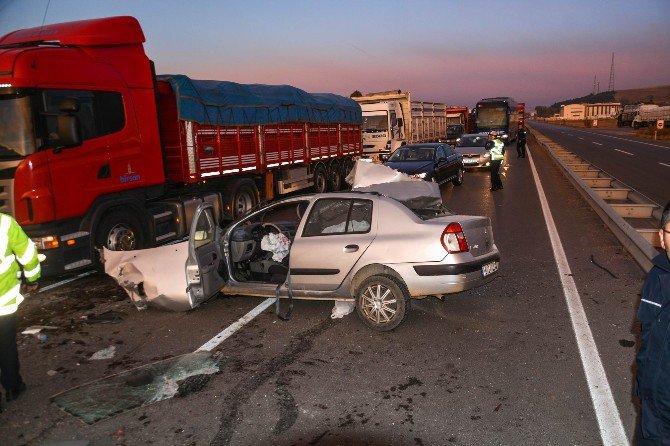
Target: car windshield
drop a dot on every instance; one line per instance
(472, 141)
(376, 123)
(17, 138)
(413, 154)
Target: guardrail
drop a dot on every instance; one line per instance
(596, 186)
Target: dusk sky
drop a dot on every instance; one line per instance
(455, 52)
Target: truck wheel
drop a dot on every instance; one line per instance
(382, 302)
(244, 197)
(334, 176)
(320, 179)
(459, 177)
(120, 231)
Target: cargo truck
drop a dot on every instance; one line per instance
(649, 117)
(457, 123)
(96, 150)
(628, 114)
(391, 119)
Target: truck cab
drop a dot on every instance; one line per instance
(383, 127)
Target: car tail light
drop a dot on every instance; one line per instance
(453, 239)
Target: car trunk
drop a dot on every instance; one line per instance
(478, 233)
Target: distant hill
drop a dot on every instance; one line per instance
(658, 95)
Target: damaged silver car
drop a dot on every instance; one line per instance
(380, 245)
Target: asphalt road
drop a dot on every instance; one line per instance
(498, 365)
(642, 164)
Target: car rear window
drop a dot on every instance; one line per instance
(430, 213)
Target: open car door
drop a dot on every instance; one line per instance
(204, 257)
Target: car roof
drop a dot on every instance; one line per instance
(475, 134)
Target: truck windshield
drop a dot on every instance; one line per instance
(492, 117)
(17, 138)
(375, 123)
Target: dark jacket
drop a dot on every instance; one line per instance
(653, 359)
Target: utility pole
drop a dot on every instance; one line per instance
(594, 85)
(598, 87)
(611, 86)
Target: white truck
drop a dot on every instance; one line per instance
(391, 119)
(649, 117)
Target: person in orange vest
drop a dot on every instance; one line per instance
(18, 257)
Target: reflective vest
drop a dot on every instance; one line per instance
(15, 248)
(497, 150)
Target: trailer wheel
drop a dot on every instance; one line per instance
(120, 231)
(334, 176)
(244, 197)
(320, 179)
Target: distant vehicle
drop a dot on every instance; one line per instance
(472, 147)
(391, 119)
(500, 114)
(431, 162)
(628, 114)
(362, 247)
(647, 118)
(454, 131)
(522, 115)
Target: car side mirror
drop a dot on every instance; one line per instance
(384, 157)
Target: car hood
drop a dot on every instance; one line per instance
(474, 150)
(411, 167)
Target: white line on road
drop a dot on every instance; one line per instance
(663, 164)
(597, 143)
(623, 151)
(625, 139)
(232, 328)
(63, 282)
(580, 137)
(609, 421)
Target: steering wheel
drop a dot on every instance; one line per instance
(272, 226)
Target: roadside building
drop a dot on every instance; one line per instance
(602, 110)
(573, 112)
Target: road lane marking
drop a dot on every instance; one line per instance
(623, 151)
(609, 420)
(663, 164)
(63, 282)
(232, 328)
(597, 143)
(580, 138)
(624, 139)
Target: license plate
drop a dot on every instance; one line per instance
(490, 268)
(470, 161)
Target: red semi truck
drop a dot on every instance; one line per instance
(95, 149)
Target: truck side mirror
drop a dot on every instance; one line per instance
(399, 122)
(69, 131)
(69, 127)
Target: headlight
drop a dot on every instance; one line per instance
(419, 175)
(505, 135)
(46, 242)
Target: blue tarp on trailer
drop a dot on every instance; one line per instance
(230, 103)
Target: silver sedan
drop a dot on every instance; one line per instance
(473, 148)
(361, 247)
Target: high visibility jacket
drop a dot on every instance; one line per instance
(15, 248)
(497, 149)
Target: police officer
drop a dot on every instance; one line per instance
(17, 252)
(521, 144)
(497, 150)
(653, 359)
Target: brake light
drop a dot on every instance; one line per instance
(453, 239)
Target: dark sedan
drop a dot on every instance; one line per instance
(438, 163)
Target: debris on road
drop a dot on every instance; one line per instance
(341, 309)
(36, 329)
(142, 386)
(108, 317)
(105, 353)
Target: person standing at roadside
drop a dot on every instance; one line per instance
(653, 359)
(521, 144)
(17, 252)
(496, 149)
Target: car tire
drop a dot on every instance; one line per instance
(320, 179)
(382, 302)
(459, 177)
(243, 197)
(120, 230)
